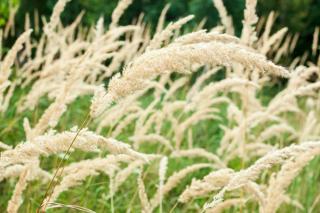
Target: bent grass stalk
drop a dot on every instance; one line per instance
(60, 168)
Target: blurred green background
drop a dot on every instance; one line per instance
(299, 15)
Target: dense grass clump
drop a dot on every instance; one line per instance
(124, 120)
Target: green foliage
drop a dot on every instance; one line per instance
(5, 6)
(150, 8)
(299, 15)
(295, 14)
